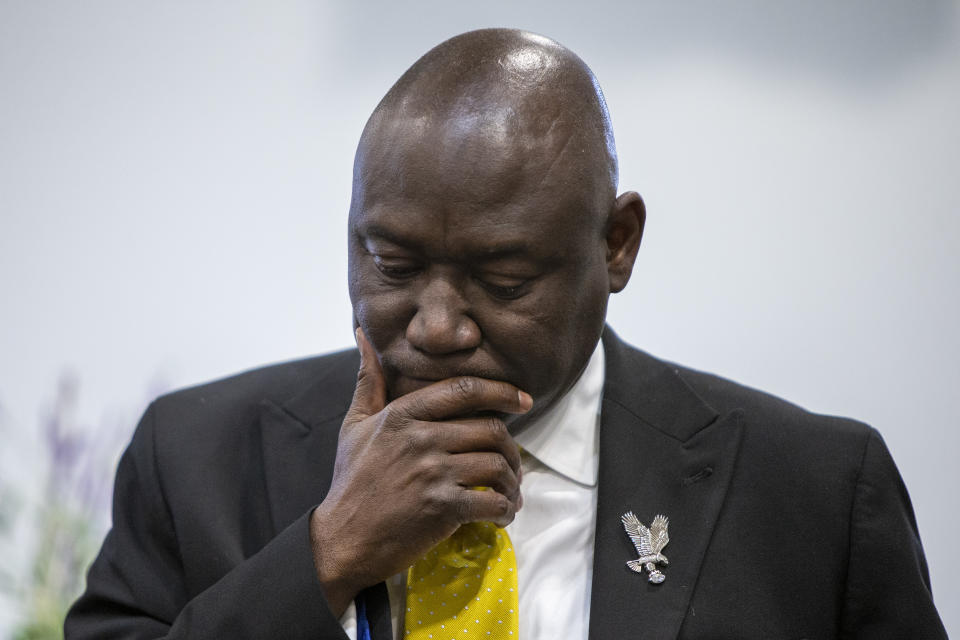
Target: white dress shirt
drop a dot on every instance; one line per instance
(553, 533)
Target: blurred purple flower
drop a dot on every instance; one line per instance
(75, 510)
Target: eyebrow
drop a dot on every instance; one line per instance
(499, 252)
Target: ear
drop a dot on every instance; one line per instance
(624, 232)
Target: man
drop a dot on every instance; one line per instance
(485, 237)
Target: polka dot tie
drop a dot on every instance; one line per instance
(464, 588)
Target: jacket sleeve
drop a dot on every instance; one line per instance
(136, 587)
(888, 585)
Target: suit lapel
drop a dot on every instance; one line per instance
(299, 440)
(299, 437)
(662, 450)
(298, 460)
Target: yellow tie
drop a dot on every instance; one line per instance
(465, 588)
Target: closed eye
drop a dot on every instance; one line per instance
(505, 291)
(397, 269)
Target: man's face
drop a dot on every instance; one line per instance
(476, 251)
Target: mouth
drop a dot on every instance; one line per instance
(422, 374)
(408, 372)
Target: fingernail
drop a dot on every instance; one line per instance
(525, 400)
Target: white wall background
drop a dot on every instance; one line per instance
(174, 181)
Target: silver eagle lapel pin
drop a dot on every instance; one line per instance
(649, 543)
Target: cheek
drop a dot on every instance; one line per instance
(575, 301)
(544, 343)
(383, 314)
(569, 326)
(589, 299)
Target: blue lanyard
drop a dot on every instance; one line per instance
(363, 625)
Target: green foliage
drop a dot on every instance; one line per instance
(65, 549)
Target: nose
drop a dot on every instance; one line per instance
(442, 323)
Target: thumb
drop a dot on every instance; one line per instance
(370, 395)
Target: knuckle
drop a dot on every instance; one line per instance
(497, 428)
(434, 503)
(396, 415)
(500, 466)
(501, 506)
(412, 407)
(509, 485)
(391, 415)
(419, 437)
(430, 468)
(465, 387)
(502, 522)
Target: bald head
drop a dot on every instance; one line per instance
(496, 106)
(485, 232)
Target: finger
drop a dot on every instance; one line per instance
(486, 469)
(461, 396)
(478, 434)
(370, 394)
(485, 506)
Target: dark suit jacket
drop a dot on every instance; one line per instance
(783, 524)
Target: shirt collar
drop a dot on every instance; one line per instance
(567, 437)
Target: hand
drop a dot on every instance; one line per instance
(407, 472)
